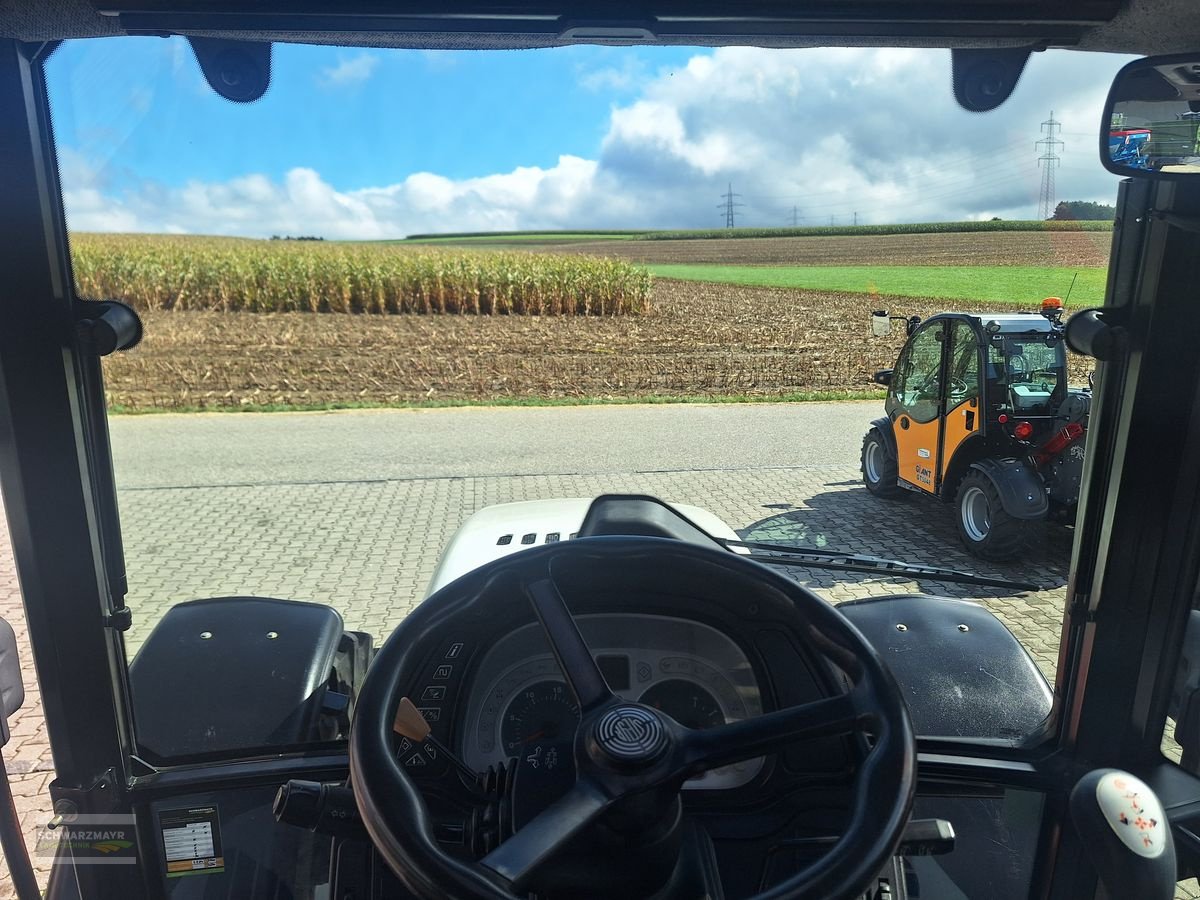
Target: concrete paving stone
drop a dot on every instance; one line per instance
(369, 548)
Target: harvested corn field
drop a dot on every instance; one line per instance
(1084, 249)
(696, 340)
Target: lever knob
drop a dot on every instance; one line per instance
(1126, 833)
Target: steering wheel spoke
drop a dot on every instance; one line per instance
(519, 857)
(726, 744)
(629, 759)
(574, 658)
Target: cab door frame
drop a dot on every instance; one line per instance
(976, 424)
(903, 420)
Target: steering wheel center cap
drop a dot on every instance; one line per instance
(630, 735)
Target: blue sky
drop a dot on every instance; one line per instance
(455, 113)
(371, 143)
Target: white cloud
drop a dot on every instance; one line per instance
(837, 134)
(441, 60)
(631, 73)
(844, 131)
(304, 203)
(353, 70)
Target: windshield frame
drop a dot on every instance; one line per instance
(48, 466)
(105, 499)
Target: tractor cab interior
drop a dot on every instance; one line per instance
(1032, 369)
(611, 702)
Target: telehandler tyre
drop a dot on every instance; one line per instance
(879, 469)
(985, 528)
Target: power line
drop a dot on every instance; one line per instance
(986, 177)
(730, 206)
(918, 189)
(916, 194)
(1049, 160)
(886, 212)
(795, 217)
(971, 165)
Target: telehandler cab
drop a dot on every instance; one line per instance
(979, 414)
(601, 700)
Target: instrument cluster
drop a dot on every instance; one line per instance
(518, 703)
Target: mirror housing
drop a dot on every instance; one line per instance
(881, 323)
(1151, 124)
(883, 376)
(12, 688)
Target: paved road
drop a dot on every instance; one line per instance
(352, 509)
(277, 448)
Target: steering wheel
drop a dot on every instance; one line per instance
(958, 386)
(626, 752)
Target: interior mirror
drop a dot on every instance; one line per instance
(1151, 125)
(881, 325)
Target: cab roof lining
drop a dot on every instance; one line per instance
(1133, 26)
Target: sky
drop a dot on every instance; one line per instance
(372, 144)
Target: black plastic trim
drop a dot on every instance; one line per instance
(1021, 489)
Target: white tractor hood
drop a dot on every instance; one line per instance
(497, 531)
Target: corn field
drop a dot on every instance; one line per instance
(172, 272)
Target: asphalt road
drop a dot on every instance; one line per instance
(367, 445)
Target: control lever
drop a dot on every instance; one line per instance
(1126, 834)
(324, 808)
(331, 809)
(926, 837)
(922, 837)
(411, 724)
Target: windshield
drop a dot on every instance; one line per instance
(1031, 370)
(403, 288)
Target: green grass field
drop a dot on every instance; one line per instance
(1007, 284)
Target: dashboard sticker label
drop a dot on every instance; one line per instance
(191, 841)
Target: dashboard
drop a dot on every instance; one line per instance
(517, 703)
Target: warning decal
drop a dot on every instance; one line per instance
(192, 841)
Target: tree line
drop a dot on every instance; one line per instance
(1083, 211)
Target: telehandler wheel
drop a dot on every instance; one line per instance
(986, 529)
(879, 470)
